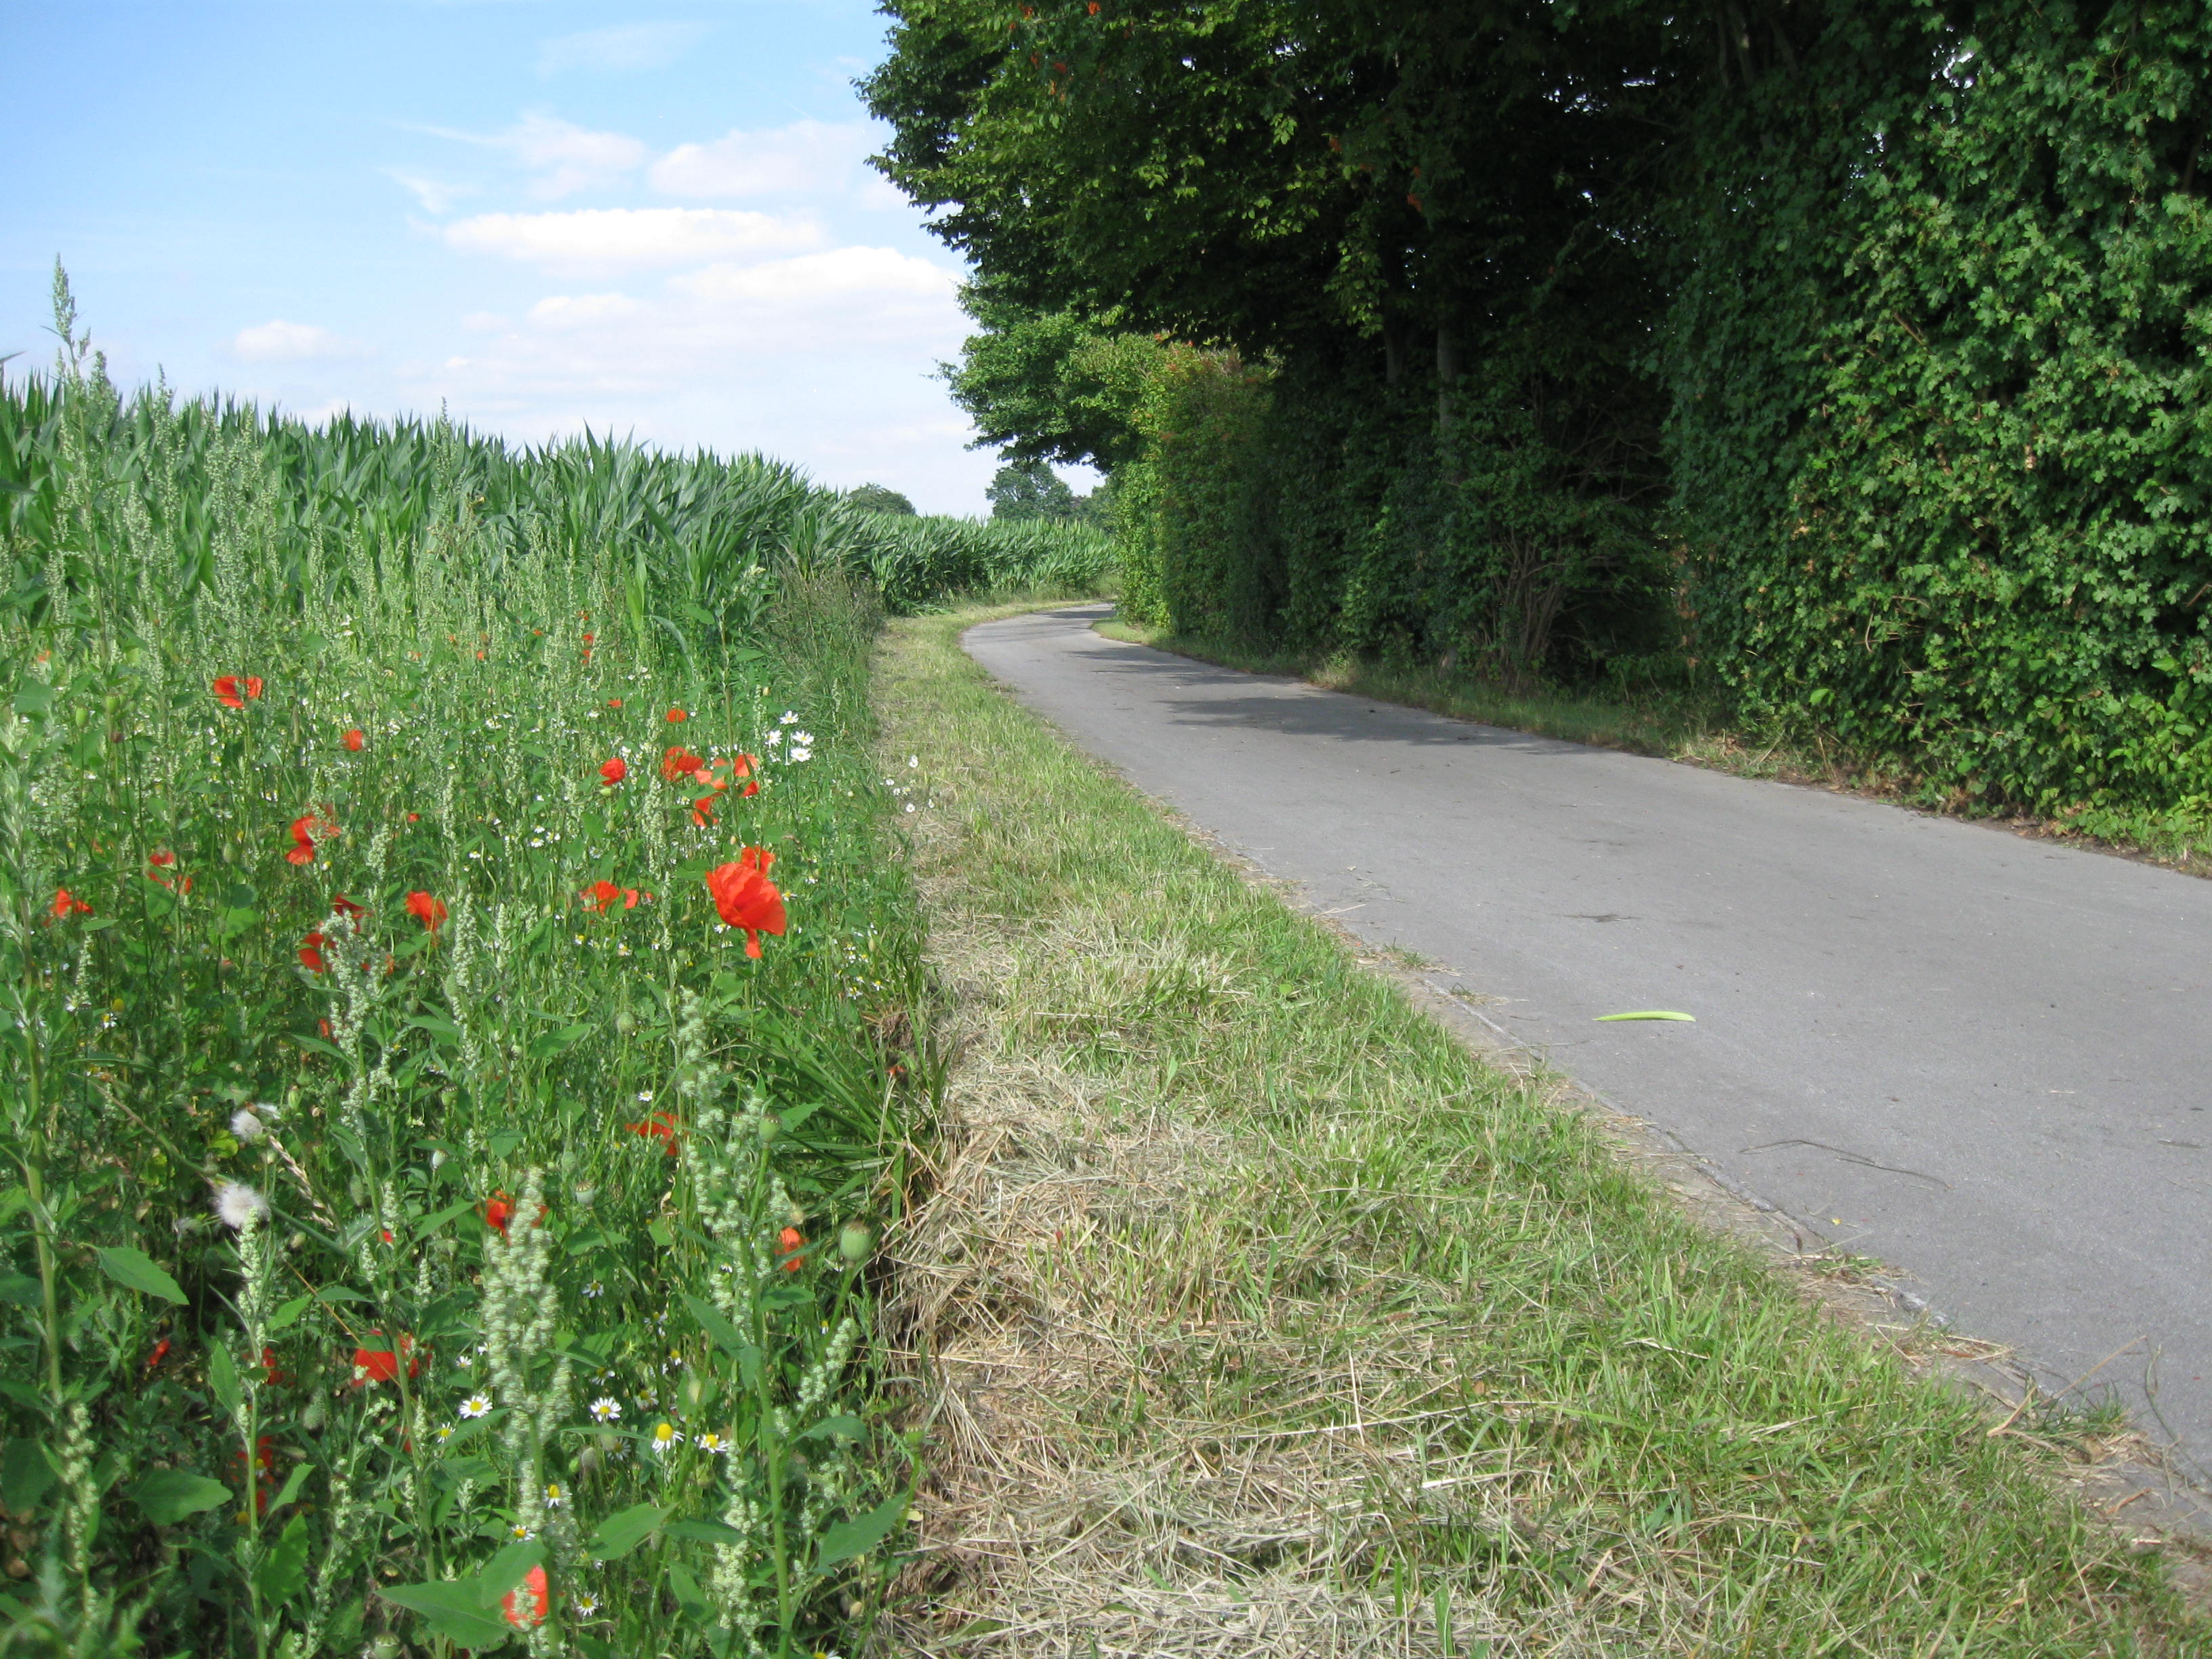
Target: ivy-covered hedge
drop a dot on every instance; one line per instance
(1940, 436)
(1278, 507)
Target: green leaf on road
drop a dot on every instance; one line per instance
(137, 1271)
(1651, 1013)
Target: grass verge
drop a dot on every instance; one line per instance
(1679, 726)
(1253, 1314)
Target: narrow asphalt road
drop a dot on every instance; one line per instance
(1985, 1059)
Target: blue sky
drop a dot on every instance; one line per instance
(650, 219)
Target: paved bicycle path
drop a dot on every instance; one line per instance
(1985, 1059)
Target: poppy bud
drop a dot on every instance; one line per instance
(625, 1022)
(770, 1127)
(852, 1241)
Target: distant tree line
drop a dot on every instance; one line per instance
(1845, 355)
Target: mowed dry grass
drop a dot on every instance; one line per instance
(1250, 1313)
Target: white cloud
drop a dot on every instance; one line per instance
(805, 156)
(826, 358)
(627, 47)
(434, 195)
(564, 157)
(581, 310)
(279, 341)
(838, 275)
(628, 236)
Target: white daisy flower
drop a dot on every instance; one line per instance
(604, 1410)
(585, 1606)
(713, 1444)
(554, 1497)
(664, 1437)
(476, 1406)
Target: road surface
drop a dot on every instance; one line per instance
(1985, 1059)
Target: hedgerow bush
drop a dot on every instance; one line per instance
(1940, 387)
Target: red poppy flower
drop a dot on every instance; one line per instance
(745, 896)
(703, 810)
(270, 1371)
(789, 1242)
(679, 762)
(745, 767)
(159, 863)
(322, 1027)
(677, 717)
(414, 818)
(371, 1365)
(498, 1211)
(311, 953)
(66, 903)
(660, 1126)
(354, 740)
(343, 906)
(306, 830)
(615, 771)
(228, 689)
(161, 1351)
(425, 910)
(528, 1602)
(614, 702)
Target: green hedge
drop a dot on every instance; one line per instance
(1941, 433)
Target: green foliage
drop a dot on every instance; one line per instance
(1907, 302)
(879, 498)
(1050, 387)
(1939, 372)
(1028, 489)
(1415, 231)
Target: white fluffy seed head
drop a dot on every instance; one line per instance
(236, 1204)
(246, 1126)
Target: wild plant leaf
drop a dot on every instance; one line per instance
(452, 1609)
(509, 1568)
(137, 1271)
(848, 1539)
(283, 1572)
(618, 1534)
(223, 1377)
(167, 1496)
(26, 1473)
(1649, 1014)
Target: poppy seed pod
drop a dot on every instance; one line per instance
(852, 1242)
(625, 1022)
